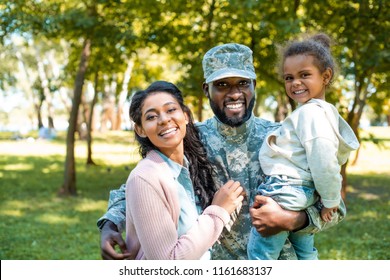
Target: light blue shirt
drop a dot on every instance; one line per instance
(189, 212)
(189, 208)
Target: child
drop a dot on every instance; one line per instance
(302, 158)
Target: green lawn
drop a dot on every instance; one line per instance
(37, 224)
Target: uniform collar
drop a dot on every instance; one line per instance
(234, 134)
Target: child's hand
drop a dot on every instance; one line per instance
(327, 213)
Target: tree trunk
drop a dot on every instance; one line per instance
(45, 87)
(107, 119)
(82, 120)
(90, 122)
(353, 120)
(355, 160)
(69, 185)
(123, 94)
(282, 110)
(200, 108)
(39, 114)
(108, 114)
(208, 42)
(27, 88)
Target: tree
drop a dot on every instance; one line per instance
(109, 41)
(98, 24)
(69, 185)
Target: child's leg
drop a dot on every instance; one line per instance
(304, 246)
(265, 248)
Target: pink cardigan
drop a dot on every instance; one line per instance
(152, 214)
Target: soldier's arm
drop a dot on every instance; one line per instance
(269, 218)
(111, 224)
(116, 210)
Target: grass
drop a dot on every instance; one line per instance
(365, 233)
(37, 224)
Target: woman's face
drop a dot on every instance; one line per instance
(163, 122)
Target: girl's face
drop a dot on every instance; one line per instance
(163, 122)
(303, 80)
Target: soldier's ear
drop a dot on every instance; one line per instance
(206, 90)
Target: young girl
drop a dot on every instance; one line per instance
(302, 158)
(172, 183)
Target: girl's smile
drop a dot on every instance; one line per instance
(303, 80)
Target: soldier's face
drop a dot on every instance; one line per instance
(232, 99)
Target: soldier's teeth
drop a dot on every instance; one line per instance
(234, 106)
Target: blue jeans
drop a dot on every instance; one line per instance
(290, 194)
(269, 248)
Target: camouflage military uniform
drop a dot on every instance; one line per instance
(234, 153)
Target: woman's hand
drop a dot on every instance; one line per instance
(229, 196)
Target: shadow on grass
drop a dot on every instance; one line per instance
(35, 223)
(364, 234)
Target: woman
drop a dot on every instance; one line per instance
(172, 183)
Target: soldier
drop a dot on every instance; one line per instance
(232, 139)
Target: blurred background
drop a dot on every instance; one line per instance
(67, 72)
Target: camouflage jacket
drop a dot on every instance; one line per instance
(234, 154)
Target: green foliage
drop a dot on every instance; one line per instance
(123, 30)
(360, 30)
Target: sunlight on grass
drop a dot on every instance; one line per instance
(369, 196)
(51, 168)
(372, 159)
(337, 254)
(56, 219)
(10, 212)
(38, 148)
(369, 214)
(91, 205)
(112, 154)
(18, 167)
(15, 204)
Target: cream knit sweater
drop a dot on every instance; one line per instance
(311, 145)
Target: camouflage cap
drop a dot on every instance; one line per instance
(228, 60)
